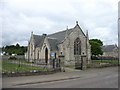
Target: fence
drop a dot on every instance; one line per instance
(103, 58)
(23, 67)
(17, 57)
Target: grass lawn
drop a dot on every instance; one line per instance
(6, 66)
(70, 66)
(105, 61)
(0, 65)
(97, 62)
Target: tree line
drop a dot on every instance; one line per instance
(14, 49)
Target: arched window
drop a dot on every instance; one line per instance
(77, 47)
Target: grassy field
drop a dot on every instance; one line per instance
(96, 62)
(70, 66)
(105, 61)
(0, 65)
(7, 66)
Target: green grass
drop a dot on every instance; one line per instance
(6, 66)
(70, 66)
(0, 65)
(105, 61)
(21, 60)
(97, 62)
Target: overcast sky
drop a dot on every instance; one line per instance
(18, 18)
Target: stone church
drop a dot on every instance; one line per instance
(70, 44)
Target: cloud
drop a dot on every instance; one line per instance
(20, 17)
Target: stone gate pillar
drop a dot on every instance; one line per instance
(62, 57)
(84, 62)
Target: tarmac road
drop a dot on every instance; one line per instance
(93, 78)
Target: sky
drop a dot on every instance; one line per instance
(18, 18)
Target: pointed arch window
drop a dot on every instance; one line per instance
(77, 47)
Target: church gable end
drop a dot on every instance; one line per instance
(78, 28)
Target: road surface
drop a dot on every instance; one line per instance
(93, 78)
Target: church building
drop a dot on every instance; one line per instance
(72, 44)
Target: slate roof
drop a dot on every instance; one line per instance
(38, 40)
(109, 48)
(60, 36)
(53, 43)
(53, 39)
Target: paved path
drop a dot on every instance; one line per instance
(90, 78)
(71, 69)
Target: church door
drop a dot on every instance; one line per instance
(46, 55)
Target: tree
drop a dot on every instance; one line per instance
(96, 48)
(97, 41)
(17, 45)
(15, 49)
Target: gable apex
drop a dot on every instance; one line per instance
(78, 26)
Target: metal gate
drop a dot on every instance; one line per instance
(78, 62)
(55, 63)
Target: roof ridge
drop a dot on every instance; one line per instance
(60, 31)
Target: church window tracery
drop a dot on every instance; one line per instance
(77, 47)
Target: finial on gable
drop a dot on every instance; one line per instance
(77, 25)
(87, 34)
(67, 27)
(32, 32)
(76, 22)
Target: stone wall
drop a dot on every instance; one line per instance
(29, 73)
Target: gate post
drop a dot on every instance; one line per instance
(54, 63)
(83, 62)
(61, 58)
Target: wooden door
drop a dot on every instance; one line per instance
(46, 55)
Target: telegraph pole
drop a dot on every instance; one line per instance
(119, 31)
